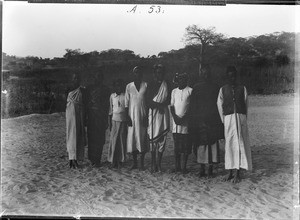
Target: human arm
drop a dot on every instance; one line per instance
(219, 104)
(85, 105)
(172, 108)
(246, 100)
(110, 112)
(127, 103)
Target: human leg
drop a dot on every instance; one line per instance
(142, 161)
(160, 154)
(210, 170)
(236, 178)
(134, 156)
(176, 153)
(202, 170)
(185, 159)
(229, 176)
(153, 161)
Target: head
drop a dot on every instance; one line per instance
(182, 80)
(158, 72)
(119, 86)
(231, 74)
(137, 75)
(205, 73)
(76, 80)
(98, 78)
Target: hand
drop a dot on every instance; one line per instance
(129, 122)
(177, 120)
(161, 110)
(106, 124)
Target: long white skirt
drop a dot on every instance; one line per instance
(237, 146)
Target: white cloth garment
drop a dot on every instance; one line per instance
(237, 146)
(135, 101)
(180, 99)
(117, 107)
(159, 121)
(76, 137)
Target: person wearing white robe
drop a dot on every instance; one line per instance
(158, 99)
(237, 146)
(135, 104)
(75, 123)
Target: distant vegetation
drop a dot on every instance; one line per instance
(39, 85)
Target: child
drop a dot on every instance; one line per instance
(118, 125)
(233, 105)
(75, 121)
(180, 100)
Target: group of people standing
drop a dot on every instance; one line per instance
(139, 121)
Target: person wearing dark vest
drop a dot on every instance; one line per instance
(97, 118)
(205, 126)
(233, 108)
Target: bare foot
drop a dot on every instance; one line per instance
(177, 170)
(133, 167)
(202, 170)
(236, 178)
(210, 172)
(154, 169)
(159, 169)
(185, 171)
(119, 166)
(202, 174)
(142, 168)
(228, 177)
(75, 163)
(96, 164)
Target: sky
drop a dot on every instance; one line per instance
(46, 30)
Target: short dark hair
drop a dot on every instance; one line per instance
(159, 66)
(118, 81)
(78, 75)
(208, 71)
(231, 69)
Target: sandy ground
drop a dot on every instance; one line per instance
(36, 179)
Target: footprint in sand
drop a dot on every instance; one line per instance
(109, 192)
(252, 187)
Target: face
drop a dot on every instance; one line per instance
(182, 82)
(204, 73)
(159, 74)
(232, 77)
(137, 75)
(98, 78)
(75, 80)
(118, 88)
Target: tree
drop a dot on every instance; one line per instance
(73, 57)
(204, 36)
(282, 60)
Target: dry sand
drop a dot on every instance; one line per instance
(36, 179)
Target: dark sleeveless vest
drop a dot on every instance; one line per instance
(234, 95)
